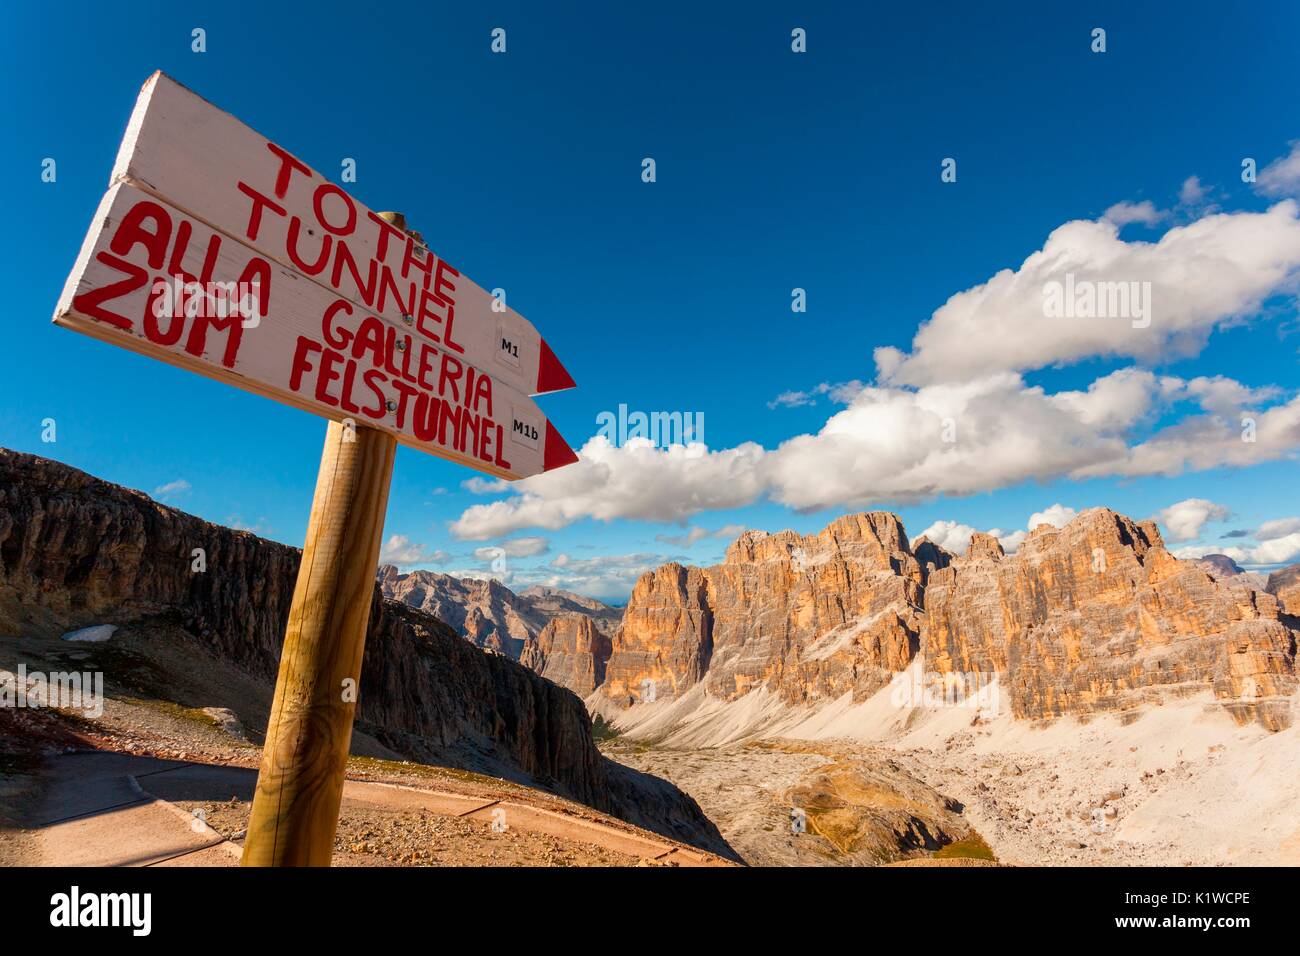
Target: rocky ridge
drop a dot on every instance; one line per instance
(808, 617)
(486, 612)
(1096, 616)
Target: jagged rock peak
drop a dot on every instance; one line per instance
(571, 651)
(984, 545)
(485, 611)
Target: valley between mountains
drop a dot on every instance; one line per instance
(850, 697)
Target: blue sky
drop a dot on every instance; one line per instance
(774, 171)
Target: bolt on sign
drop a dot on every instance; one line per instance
(219, 251)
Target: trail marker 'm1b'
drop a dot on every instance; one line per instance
(218, 251)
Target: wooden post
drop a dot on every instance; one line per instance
(300, 783)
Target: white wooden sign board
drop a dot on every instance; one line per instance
(178, 145)
(218, 252)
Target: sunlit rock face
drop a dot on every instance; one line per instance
(571, 651)
(809, 617)
(1094, 616)
(1099, 616)
(1284, 584)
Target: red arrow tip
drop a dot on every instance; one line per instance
(552, 376)
(557, 453)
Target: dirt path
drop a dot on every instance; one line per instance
(114, 809)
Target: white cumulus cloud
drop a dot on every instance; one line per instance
(1184, 520)
(1277, 528)
(635, 480)
(956, 536)
(898, 445)
(950, 535)
(1058, 516)
(904, 445)
(1145, 212)
(1203, 275)
(1280, 550)
(523, 547)
(1282, 176)
(1193, 192)
(400, 550)
(173, 489)
(485, 486)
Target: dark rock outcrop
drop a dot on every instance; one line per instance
(1220, 565)
(75, 550)
(930, 556)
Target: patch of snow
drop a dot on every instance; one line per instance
(95, 634)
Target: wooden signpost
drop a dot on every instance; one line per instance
(217, 250)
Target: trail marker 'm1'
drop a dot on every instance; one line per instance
(218, 251)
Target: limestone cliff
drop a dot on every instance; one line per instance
(1284, 584)
(571, 651)
(1099, 616)
(1090, 617)
(809, 617)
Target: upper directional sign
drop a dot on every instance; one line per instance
(260, 273)
(181, 147)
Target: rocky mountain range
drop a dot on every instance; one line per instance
(1091, 617)
(76, 551)
(802, 637)
(487, 613)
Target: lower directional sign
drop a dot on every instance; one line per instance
(155, 280)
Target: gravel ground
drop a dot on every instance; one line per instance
(1175, 785)
(745, 788)
(382, 836)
